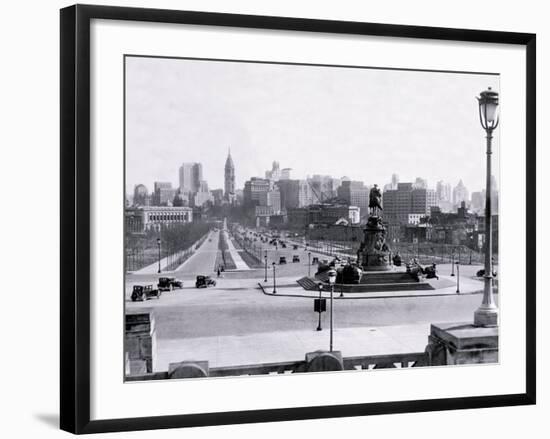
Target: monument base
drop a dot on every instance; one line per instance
(377, 268)
(461, 343)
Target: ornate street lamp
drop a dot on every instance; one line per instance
(265, 258)
(309, 264)
(331, 281)
(274, 285)
(320, 286)
(158, 243)
(487, 313)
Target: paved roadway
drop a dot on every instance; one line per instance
(203, 260)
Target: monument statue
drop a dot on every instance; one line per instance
(374, 253)
(375, 201)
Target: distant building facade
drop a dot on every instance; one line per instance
(407, 200)
(141, 196)
(295, 194)
(355, 193)
(190, 177)
(141, 219)
(460, 194)
(163, 194)
(254, 190)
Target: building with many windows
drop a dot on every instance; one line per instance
(355, 193)
(407, 200)
(140, 219)
(163, 194)
(255, 189)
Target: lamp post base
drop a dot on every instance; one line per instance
(486, 317)
(461, 343)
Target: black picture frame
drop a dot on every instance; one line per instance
(75, 216)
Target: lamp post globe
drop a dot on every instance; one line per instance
(488, 109)
(487, 313)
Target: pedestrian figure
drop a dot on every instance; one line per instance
(219, 271)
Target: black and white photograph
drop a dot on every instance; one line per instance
(286, 218)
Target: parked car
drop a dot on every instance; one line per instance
(295, 258)
(169, 283)
(204, 282)
(314, 260)
(144, 292)
(282, 260)
(295, 247)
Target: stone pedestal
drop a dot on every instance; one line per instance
(374, 254)
(188, 369)
(140, 341)
(461, 343)
(323, 361)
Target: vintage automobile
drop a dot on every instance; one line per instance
(204, 282)
(295, 258)
(295, 247)
(169, 283)
(314, 260)
(282, 260)
(144, 292)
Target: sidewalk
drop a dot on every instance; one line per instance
(281, 346)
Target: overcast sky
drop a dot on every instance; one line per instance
(361, 123)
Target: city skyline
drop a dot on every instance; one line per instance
(177, 114)
(431, 184)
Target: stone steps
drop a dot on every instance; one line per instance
(373, 282)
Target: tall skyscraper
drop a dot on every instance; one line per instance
(141, 195)
(275, 172)
(460, 193)
(443, 191)
(190, 176)
(229, 179)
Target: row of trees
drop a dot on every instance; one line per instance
(142, 249)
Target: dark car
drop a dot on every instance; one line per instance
(295, 258)
(295, 247)
(204, 282)
(144, 292)
(169, 283)
(282, 260)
